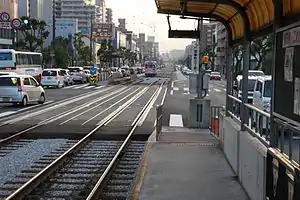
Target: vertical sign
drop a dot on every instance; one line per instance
(288, 64)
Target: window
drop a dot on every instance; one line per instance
(26, 81)
(49, 73)
(29, 57)
(251, 84)
(8, 81)
(36, 59)
(259, 86)
(5, 56)
(33, 82)
(268, 89)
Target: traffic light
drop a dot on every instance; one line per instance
(25, 21)
(205, 59)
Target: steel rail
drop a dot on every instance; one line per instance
(31, 184)
(94, 194)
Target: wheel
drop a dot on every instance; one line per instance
(24, 101)
(42, 99)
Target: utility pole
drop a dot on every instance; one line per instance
(53, 22)
(199, 75)
(91, 40)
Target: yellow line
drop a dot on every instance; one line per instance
(141, 174)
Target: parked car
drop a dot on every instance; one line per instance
(215, 76)
(77, 74)
(52, 78)
(68, 80)
(20, 89)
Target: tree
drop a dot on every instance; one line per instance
(106, 52)
(60, 51)
(124, 54)
(83, 51)
(260, 47)
(33, 33)
(132, 58)
(238, 53)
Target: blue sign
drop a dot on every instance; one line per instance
(93, 70)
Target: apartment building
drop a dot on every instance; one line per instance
(109, 15)
(221, 57)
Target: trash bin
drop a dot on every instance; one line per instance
(214, 126)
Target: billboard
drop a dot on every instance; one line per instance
(104, 30)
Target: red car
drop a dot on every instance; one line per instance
(215, 76)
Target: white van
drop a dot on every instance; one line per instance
(262, 97)
(238, 87)
(52, 77)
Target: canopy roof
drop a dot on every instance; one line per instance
(256, 14)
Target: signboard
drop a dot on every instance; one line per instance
(92, 79)
(291, 37)
(93, 70)
(6, 23)
(103, 30)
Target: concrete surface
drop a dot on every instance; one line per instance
(188, 165)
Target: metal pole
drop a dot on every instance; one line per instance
(54, 23)
(199, 75)
(91, 40)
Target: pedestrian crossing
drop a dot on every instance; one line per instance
(83, 87)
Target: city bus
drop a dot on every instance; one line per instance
(150, 68)
(21, 62)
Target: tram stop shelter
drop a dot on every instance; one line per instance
(246, 20)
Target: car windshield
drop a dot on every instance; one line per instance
(74, 69)
(49, 73)
(5, 56)
(8, 81)
(215, 73)
(63, 72)
(268, 89)
(251, 83)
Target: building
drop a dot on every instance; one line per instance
(151, 38)
(188, 55)
(156, 51)
(64, 27)
(109, 15)
(48, 10)
(122, 25)
(32, 8)
(101, 15)
(11, 7)
(221, 57)
(207, 36)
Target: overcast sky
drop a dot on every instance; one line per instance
(141, 16)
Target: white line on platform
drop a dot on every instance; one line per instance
(186, 89)
(175, 120)
(172, 92)
(176, 88)
(7, 113)
(217, 90)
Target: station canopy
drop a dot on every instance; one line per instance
(256, 14)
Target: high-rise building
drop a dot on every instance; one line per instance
(207, 35)
(109, 15)
(151, 38)
(102, 10)
(122, 24)
(31, 8)
(48, 10)
(221, 38)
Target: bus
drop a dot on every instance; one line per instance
(150, 68)
(21, 62)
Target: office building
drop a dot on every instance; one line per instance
(221, 57)
(31, 8)
(101, 15)
(109, 15)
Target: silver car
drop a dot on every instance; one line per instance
(77, 74)
(20, 89)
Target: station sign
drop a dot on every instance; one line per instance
(5, 21)
(103, 30)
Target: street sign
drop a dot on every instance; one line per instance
(16, 23)
(4, 17)
(103, 30)
(5, 25)
(93, 70)
(92, 79)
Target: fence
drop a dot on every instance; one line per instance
(159, 118)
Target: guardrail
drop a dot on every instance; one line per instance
(215, 113)
(159, 119)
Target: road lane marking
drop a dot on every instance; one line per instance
(217, 90)
(89, 87)
(4, 114)
(81, 86)
(68, 87)
(99, 87)
(186, 89)
(163, 99)
(175, 120)
(38, 105)
(176, 88)
(171, 92)
(172, 85)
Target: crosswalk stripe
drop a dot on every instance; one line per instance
(91, 86)
(99, 87)
(81, 86)
(217, 90)
(68, 87)
(7, 113)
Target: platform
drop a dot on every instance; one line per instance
(186, 164)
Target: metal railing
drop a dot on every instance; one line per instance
(215, 113)
(159, 119)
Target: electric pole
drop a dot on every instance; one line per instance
(91, 40)
(199, 75)
(53, 22)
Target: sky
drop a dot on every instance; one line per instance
(141, 17)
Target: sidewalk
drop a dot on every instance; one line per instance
(187, 165)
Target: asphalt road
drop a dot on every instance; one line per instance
(76, 110)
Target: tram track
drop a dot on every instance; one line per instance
(71, 164)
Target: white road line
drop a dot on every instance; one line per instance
(89, 87)
(7, 113)
(38, 105)
(171, 92)
(81, 86)
(217, 90)
(176, 88)
(99, 87)
(172, 85)
(163, 99)
(68, 87)
(186, 89)
(175, 120)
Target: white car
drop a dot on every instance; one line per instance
(52, 78)
(68, 80)
(77, 74)
(20, 89)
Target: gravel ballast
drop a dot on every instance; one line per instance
(21, 159)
